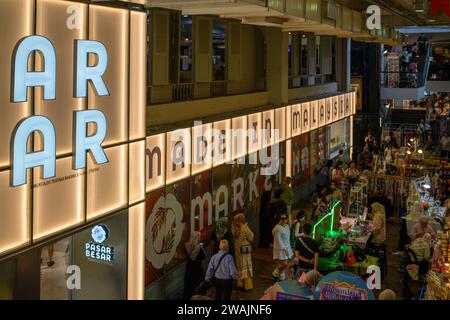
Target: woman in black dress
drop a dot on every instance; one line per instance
(194, 266)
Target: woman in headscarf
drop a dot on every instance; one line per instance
(194, 267)
(243, 238)
(222, 232)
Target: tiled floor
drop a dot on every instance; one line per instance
(263, 267)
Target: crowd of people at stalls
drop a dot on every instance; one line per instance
(410, 60)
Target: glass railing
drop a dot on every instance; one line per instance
(401, 79)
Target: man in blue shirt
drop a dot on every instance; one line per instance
(222, 271)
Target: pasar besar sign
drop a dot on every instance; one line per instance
(22, 79)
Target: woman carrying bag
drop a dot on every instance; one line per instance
(243, 238)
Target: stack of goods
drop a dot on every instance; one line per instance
(444, 245)
(437, 287)
(328, 245)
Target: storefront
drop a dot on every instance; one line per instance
(189, 195)
(83, 94)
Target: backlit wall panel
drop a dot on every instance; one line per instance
(60, 110)
(201, 147)
(280, 123)
(268, 118)
(136, 181)
(239, 142)
(314, 115)
(306, 117)
(107, 187)
(254, 128)
(14, 214)
(222, 139)
(297, 119)
(104, 22)
(155, 162)
(16, 22)
(178, 155)
(58, 203)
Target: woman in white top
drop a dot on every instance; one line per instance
(282, 250)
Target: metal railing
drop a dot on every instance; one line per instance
(218, 88)
(182, 91)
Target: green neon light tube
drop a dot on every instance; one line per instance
(331, 212)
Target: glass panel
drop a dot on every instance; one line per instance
(219, 49)
(186, 49)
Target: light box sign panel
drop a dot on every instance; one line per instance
(201, 147)
(348, 105)
(322, 112)
(328, 110)
(297, 119)
(155, 160)
(268, 119)
(335, 109)
(239, 126)
(254, 129)
(314, 115)
(280, 123)
(341, 110)
(178, 155)
(288, 122)
(305, 117)
(79, 88)
(222, 140)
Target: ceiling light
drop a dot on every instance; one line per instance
(420, 151)
(408, 152)
(427, 186)
(419, 5)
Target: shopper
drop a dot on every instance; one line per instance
(222, 232)
(265, 224)
(352, 173)
(445, 145)
(378, 223)
(222, 272)
(282, 250)
(243, 238)
(387, 294)
(296, 227)
(312, 279)
(203, 291)
(337, 175)
(194, 273)
(287, 195)
(276, 208)
(421, 228)
(307, 250)
(322, 174)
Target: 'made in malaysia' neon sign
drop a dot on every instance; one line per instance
(22, 79)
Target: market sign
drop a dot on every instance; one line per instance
(73, 100)
(96, 250)
(22, 79)
(342, 291)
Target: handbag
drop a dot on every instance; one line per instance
(246, 249)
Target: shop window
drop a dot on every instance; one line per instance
(219, 49)
(186, 49)
(304, 55)
(318, 56)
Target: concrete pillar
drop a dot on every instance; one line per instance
(277, 65)
(311, 59)
(343, 63)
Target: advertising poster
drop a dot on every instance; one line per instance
(153, 264)
(239, 187)
(393, 68)
(254, 193)
(300, 160)
(318, 152)
(178, 219)
(221, 196)
(201, 207)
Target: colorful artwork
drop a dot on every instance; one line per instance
(300, 160)
(342, 285)
(318, 152)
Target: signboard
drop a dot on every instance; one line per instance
(342, 285)
(69, 107)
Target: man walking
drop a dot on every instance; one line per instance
(222, 272)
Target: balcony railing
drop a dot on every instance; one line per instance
(182, 91)
(218, 88)
(401, 79)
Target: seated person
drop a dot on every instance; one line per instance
(421, 247)
(420, 228)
